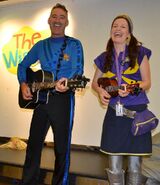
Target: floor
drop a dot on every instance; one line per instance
(5, 181)
(87, 164)
(12, 173)
(79, 181)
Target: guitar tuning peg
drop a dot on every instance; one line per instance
(77, 77)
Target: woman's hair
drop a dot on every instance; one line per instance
(133, 46)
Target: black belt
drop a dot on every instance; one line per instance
(126, 112)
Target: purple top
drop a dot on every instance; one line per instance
(129, 75)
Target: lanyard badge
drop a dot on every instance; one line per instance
(119, 109)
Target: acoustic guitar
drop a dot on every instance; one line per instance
(41, 83)
(111, 86)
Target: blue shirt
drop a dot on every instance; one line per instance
(49, 51)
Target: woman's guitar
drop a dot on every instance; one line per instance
(41, 83)
(111, 86)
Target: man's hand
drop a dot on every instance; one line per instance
(26, 93)
(61, 85)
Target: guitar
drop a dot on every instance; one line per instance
(40, 84)
(111, 86)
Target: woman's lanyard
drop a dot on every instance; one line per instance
(119, 70)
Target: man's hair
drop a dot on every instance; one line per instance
(58, 5)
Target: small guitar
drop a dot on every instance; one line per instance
(40, 84)
(111, 86)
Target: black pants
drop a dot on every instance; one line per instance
(58, 114)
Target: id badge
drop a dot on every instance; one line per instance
(119, 109)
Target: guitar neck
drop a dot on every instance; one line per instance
(72, 83)
(35, 86)
(113, 88)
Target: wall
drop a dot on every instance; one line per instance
(90, 21)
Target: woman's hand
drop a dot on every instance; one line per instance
(102, 93)
(103, 96)
(123, 93)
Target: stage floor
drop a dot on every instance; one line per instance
(87, 164)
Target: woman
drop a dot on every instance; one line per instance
(127, 61)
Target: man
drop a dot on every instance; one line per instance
(63, 57)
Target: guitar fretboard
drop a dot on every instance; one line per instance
(35, 86)
(113, 88)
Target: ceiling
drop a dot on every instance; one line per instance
(9, 2)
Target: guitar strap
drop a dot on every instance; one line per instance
(119, 70)
(61, 56)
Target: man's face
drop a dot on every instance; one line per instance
(58, 21)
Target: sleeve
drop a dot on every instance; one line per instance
(80, 58)
(30, 58)
(144, 52)
(100, 61)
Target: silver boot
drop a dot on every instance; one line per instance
(115, 178)
(135, 178)
(151, 181)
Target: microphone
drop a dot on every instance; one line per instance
(126, 59)
(123, 62)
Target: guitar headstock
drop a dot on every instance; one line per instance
(134, 88)
(78, 82)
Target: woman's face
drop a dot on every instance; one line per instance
(120, 31)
